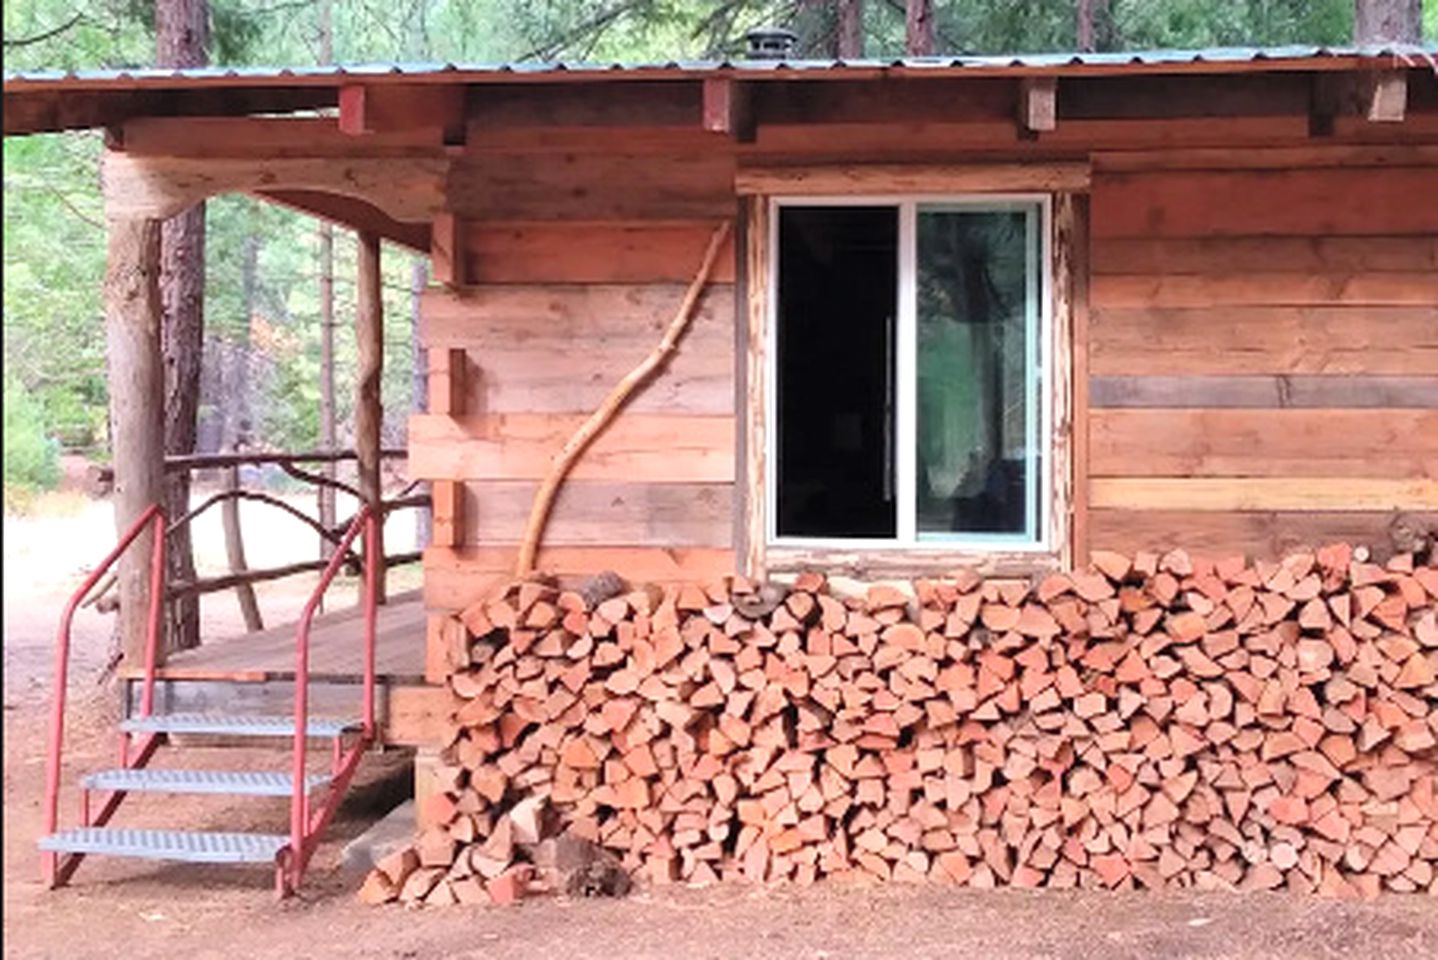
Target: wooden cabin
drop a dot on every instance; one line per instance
(988, 311)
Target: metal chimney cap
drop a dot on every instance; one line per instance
(771, 43)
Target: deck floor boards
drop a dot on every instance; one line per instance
(336, 649)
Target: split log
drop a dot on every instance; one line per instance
(1156, 721)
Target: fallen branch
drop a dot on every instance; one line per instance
(592, 427)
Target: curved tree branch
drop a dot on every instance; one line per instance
(47, 35)
(319, 479)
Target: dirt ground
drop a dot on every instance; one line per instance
(138, 909)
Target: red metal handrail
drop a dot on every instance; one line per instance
(301, 826)
(152, 515)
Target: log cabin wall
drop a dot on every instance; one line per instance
(1261, 344)
(572, 264)
(1263, 355)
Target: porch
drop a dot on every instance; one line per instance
(254, 672)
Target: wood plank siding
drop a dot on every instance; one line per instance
(1263, 354)
(572, 265)
(1255, 309)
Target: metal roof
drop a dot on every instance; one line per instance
(1219, 58)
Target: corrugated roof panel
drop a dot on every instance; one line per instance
(1040, 61)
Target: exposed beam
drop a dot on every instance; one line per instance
(352, 214)
(367, 109)
(404, 188)
(1038, 104)
(728, 108)
(265, 138)
(1325, 101)
(446, 251)
(1381, 96)
(1384, 95)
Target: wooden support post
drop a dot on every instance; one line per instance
(137, 403)
(369, 413)
(235, 553)
(752, 561)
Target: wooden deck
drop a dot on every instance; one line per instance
(336, 649)
(258, 669)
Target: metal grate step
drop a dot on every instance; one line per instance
(236, 725)
(230, 782)
(169, 844)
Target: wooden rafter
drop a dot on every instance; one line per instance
(728, 108)
(1038, 104)
(367, 109)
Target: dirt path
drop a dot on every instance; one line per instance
(135, 909)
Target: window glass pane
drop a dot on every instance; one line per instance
(838, 283)
(977, 411)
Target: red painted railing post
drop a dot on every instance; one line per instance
(157, 610)
(49, 861)
(300, 826)
(373, 520)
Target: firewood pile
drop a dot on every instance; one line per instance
(1151, 722)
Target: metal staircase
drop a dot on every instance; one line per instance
(140, 737)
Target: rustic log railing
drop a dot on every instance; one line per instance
(242, 579)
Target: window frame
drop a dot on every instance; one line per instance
(1046, 549)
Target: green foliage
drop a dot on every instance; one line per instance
(31, 458)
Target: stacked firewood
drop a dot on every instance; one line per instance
(1151, 722)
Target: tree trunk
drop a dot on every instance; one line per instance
(919, 28)
(133, 314)
(1387, 21)
(182, 40)
(239, 439)
(242, 428)
(850, 32)
(235, 553)
(1083, 27)
(419, 377)
(369, 413)
(212, 427)
(182, 277)
(327, 327)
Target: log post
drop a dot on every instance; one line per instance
(369, 413)
(137, 403)
(235, 551)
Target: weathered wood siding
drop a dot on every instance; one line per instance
(1263, 355)
(1261, 343)
(574, 265)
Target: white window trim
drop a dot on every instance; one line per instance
(906, 467)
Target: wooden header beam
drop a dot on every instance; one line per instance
(402, 188)
(838, 179)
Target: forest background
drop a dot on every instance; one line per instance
(263, 292)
